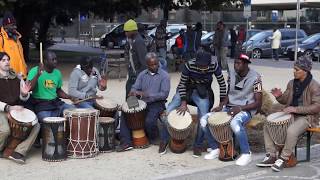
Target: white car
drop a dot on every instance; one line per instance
(171, 28)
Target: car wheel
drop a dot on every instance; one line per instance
(308, 53)
(256, 53)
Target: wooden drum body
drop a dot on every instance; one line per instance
(179, 128)
(107, 107)
(135, 119)
(219, 125)
(82, 126)
(106, 134)
(54, 139)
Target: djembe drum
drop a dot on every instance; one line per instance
(277, 125)
(106, 134)
(219, 125)
(54, 139)
(179, 128)
(135, 118)
(107, 107)
(82, 127)
(21, 123)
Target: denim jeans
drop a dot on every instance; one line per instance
(162, 56)
(275, 54)
(152, 115)
(237, 125)
(56, 113)
(202, 108)
(85, 104)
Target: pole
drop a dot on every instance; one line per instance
(297, 29)
(247, 25)
(79, 27)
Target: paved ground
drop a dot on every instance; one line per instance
(147, 163)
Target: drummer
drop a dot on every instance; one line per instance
(243, 100)
(152, 86)
(302, 99)
(13, 93)
(195, 89)
(46, 85)
(83, 83)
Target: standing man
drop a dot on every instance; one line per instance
(135, 52)
(198, 35)
(46, 86)
(195, 89)
(276, 43)
(84, 81)
(302, 100)
(153, 86)
(221, 44)
(10, 43)
(189, 40)
(243, 100)
(12, 95)
(233, 39)
(161, 42)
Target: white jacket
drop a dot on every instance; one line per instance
(276, 39)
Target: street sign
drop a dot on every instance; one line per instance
(246, 9)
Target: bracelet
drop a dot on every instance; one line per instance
(6, 108)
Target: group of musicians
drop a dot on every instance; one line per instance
(241, 98)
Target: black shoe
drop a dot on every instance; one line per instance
(163, 148)
(17, 157)
(122, 148)
(197, 152)
(268, 161)
(278, 165)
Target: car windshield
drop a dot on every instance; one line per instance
(311, 39)
(260, 36)
(207, 35)
(252, 33)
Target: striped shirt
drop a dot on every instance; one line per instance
(191, 74)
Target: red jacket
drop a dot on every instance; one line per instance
(179, 42)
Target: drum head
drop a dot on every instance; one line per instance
(179, 121)
(106, 120)
(278, 117)
(80, 111)
(142, 106)
(106, 103)
(53, 119)
(24, 116)
(218, 118)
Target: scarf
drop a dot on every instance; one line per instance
(298, 88)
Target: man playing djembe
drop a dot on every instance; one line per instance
(302, 100)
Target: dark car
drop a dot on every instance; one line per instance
(316, 52)
(305, 48)
(116, 38)
(259, 45)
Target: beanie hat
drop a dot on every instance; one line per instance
(8, 19)
(203, 58)
(304, 63)
(130, 25)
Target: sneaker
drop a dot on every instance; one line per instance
(213, 154)
(244, 159)
(268, 161)
(163, 148)
(122, 148)
(278, 165)
(209, 150)
(17, 157)
(197, 152)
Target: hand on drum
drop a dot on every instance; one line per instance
(139, 94)
(103, 83)
(234, 110)
(17, 108)
(290, 109)
(276, 92)
(183, 108)
(216, 109)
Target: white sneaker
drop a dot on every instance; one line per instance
(209, 150)
(213, 154)
(244, 159)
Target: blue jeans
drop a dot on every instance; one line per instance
(56, 113)
(152, 115)
(237, 125)
(203, 108)
(162, 56)
(86, 104)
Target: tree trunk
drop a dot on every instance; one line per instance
(43, 31)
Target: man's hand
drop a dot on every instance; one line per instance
(290, 109)
(234, 110)
(276, 92)
(217, 109)
(103, 82)
(25, 88)
(183, 108)
(132, 93)
(98, 97)
(40, 69)
(17, 108)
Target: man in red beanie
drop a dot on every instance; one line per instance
(10, 43)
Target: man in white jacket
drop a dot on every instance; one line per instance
(276, 43)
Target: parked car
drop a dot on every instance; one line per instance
(305, 48)
(252, 32)
(207, 42)
(172, 29)
(259, 45)
(316, 52)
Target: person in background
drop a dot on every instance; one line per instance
(198, 35)
(189, 48)
(161, 43)
(221, 44)
(233, 39)
(276, 43)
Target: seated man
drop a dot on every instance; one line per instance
(46, 83)
(195, 88)
(302, 100)
(83, 83)
(243, 100)
(12, 95)
(153, 86)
